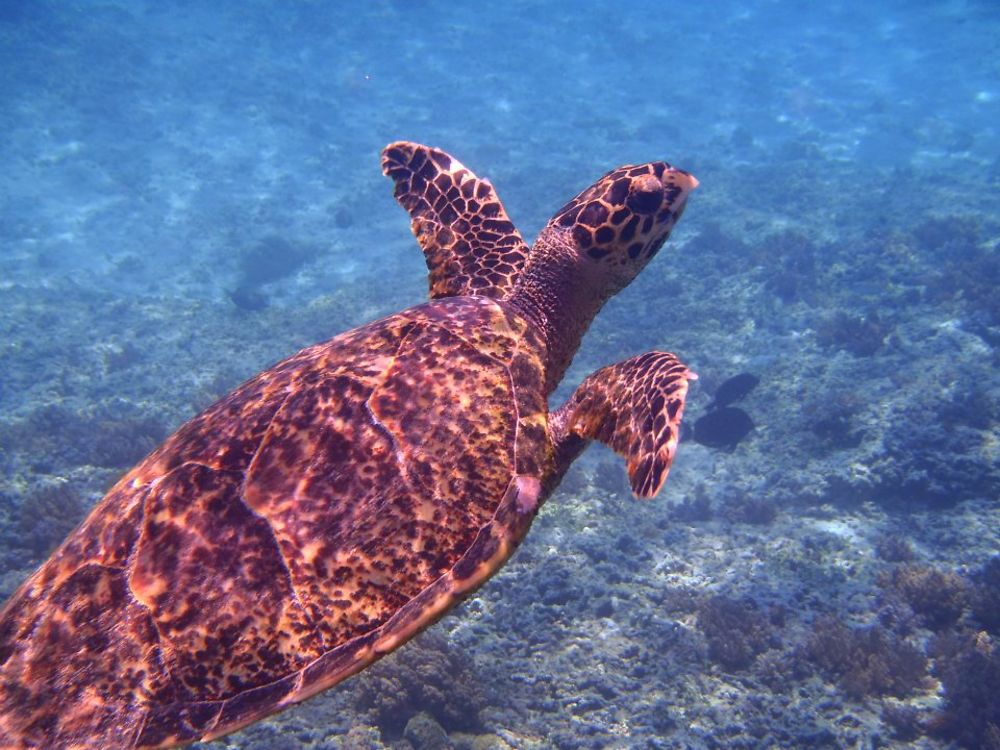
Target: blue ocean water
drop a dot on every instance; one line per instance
(190, 191)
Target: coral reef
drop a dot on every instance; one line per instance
(904, 721)
(611, 477)
(47, 514)
(984, 595)
(115, 437)
(968, 666)
(894, 549)
(736, 631)
(966, 271)
(118, 444)
(751, 509)
(428, 676)
(860, 335)
(837, 431)
(265, 737)
(833, 418)
(939, 463)
(361, 737)
(424, 733)
(866, 660)
(792, 258)
(936, 232)
(692, 509)
(937, 597)
(728, 253)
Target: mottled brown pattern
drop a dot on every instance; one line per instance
(591, 249)
(292, 517)
(88, 657)
(400, 446)
(628, 214)
(210, 574)
(470, 244)
(341, 501)
(635, 407)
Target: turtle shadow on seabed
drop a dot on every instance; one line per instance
(271, 259)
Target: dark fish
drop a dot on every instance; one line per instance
(734, 389)
(722, 428)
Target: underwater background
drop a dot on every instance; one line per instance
(190, 191)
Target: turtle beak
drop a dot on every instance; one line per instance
(681, 183)
(687, 181)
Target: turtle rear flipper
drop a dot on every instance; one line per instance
(470, 244)
(634, 407)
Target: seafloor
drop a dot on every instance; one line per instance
(189, 191)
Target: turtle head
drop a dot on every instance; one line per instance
(592, 248)
(621, 221)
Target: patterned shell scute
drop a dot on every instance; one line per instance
(207, 570)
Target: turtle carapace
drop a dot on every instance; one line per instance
(333, 506)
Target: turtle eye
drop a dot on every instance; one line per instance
(645, 194)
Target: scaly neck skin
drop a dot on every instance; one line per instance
(555, 294)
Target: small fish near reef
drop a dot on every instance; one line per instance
(723, 428)
(734, 389)
(330, 508)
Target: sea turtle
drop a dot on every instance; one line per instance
(338, 503)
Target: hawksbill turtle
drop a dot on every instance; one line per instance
(333, 506)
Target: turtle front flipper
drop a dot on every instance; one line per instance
(470, 244)
(634, 407)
